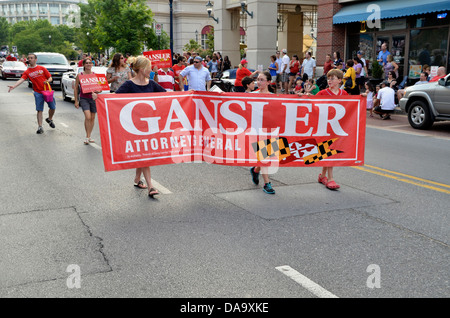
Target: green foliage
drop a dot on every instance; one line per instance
(121, 24)
(4, 31)
(192, 46)
(377, 70)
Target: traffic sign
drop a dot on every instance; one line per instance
(158, 28)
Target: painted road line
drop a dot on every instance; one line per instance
(391, 175)
(414, 133)
(314, 288)
(156, 184)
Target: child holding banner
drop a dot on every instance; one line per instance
(334, 78)
(142, 84)
(263, 80)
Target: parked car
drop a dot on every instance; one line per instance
(68, 81)
(12, 69)
(427, 103)
(56, 64)
(226, 80)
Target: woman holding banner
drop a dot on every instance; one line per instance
(142, 84)
(86, 101)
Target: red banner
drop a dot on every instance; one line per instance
(93, 83)
(139, 130)
(161, 58)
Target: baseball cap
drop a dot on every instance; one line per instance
(360, 52)
(284, 51)
(199, 58)
(244, 61)
(385, 82)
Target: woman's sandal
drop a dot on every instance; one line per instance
(332, 185)
(140, 185)
(322, 180)
(152, 192)
(86, 141)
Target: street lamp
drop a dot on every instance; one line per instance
(244, 9)
(171, 27)
(196, 36)
(209, 7)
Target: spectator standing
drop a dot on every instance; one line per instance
(308, 66)
(337, 60)
(278, 61)
(364, 72)
(198, 76)
(369, 93)
(242, 72)
(226, 65)
(350, 79)
(284, 73)
(390, 66)
(39, 76)
(294, 68)
(383, 54)
(357, 66)
(118, 72)
(327, 65)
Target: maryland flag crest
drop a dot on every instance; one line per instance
(274, 147)
(310, 151)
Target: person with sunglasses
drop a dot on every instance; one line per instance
(118, 72)
(198, 76)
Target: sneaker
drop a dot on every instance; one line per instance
(268, 188)
(50, 122)
(40, 130)
(386, 117)
(255, 175)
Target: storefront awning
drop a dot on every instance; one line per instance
(389, 9)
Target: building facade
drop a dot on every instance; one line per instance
(416, 32)
(57, 12)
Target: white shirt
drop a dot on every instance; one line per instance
(285, 61)
(386, 95)
(278, 61)
(363, 71)
(308, 66)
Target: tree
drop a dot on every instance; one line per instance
(4, 31)
(120, 24)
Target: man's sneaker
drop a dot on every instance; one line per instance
(50, 122)
(40, 130)
(268, 188)
(255, 176)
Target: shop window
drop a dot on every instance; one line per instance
(428, 46)
(432, 19)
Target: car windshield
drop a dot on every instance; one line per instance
(12, 64)
(51, 59)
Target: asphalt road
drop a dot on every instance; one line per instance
(212, 233)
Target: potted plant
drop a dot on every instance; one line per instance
(377, 73)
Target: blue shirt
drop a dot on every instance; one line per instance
(197, 78)
(128, 87)
(383, 56)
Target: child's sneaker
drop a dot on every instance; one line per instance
(268, 188)
(40, 130)
(255, 176)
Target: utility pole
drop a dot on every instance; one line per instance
(171, 28)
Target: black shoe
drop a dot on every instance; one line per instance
(40, 130)
(50, 122)
(255, 175)
(386, 117)
(268, 188)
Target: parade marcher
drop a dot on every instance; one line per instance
(334, 78)
(242, 72)
(166, 79)
(11, 58)
(197, 75)
(142, 84)
(80, 62)
(263, 80)
(177, 68)
(249, 84)
(118, 72)
(86, 101)
(40, 77)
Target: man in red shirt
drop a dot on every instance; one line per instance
(440, 74)
(166, 79)
(11, 57)
(40, 77)
(177, 68)
(80, 62)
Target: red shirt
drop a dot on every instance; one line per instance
(177, 70)
(37, 76)
(240, 74)
(436, 78)
(327, 91)
(327, 66)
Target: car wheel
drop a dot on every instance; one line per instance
(419, 115)
(65, 97)
(3, 77)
